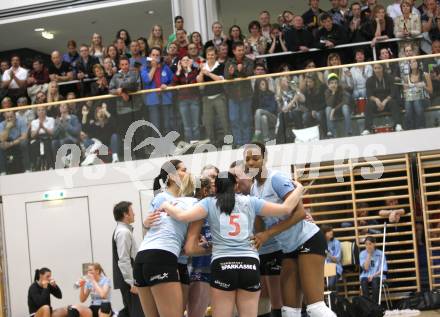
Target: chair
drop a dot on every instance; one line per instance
(329, 271)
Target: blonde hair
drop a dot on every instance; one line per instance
(56, 95)
(97, 267)
(187, 186)
(154, 41)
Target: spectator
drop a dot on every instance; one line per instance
(433, 68)
(391, 69)
(394, 10)
(74, 107)
(137, 61)
(266, 111)
(27, 115)
(38, 79)
(311, 17)
(188, 99)
(66, 130)
(193, 54)
(298, 38)
(416, 91)
(368, 8)
(392, 214)
(277, 45)
(371, 262)
(407, 26)
(72, 56)
(124, 35)
(122, 48)
(85, 68)
(259, 69)
(6, 103)
(235, 36)
(214, 100)
(60, 71)
(13, 142)
(178, 25)
(310, 64)
(42, 129)
(287, 19)
(336, 13)
(344, 74)
(143, 46)
(380, 27)
(359, 75)
(429, 14)
(330, 34)
(109, 69)
(156, 38)
(381, 97)
(15, 79)
(240, 100)
(182, 43)
(223, 53)
(40, 98)
(128, 107)
(100, 86)
(266, 27)
(97, 49)
(172, 59)
(196, 39)
(334, 255)
(158, 75)
(314, 93)
(355, 21)
(4, 66)
(256, 41)
(112, 53)
(53, 95)
(217, 31)
(337, 100)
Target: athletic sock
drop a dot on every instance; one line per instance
(275, 313)
(287, 311)
(320, 309)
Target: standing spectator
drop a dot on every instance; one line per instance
(109, 69)
(4, 66)
(97, 49)
(235, 36)
(416, 90)
(380, 27)
(314, 93)
(266, 27)
(15, 79)
(38, 79)
(298, 38)
(277, 45)
(287, 19)
(172, 59)
(143, 46)
(381, 94)
(359, 75)
(66, 130)
(61, 71)
(196, 39)
(122, 48)
(256, 41)
(407, 26)
(311, 17)
(334, 255)
(124, 35)
(13, 141)
(178, 25)
(370, 260)
(182, 43)
(337, 100)
(124, 250)
(100, 86)
(429, 15)
(433, 68)
(355, 21)
(214, 100)
(266, 111)
(85, 69)
(156, 38)
(193, 54)
(394, 10)
(336, 13)
(188, 98)
(42, 129)
(112, 53)
(330, 34)
(158, 75)
(217, 31)
(72, 56)
(137, 61)
(223, 53)
(240, 100)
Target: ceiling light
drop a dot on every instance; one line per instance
(39, 29)
(150, 11)
(47, 35)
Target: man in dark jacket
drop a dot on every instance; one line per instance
(84, 66)
(330, 34)
(298, 38)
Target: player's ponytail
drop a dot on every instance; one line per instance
(225, 184)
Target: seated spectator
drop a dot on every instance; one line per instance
(124, 35)
(156, 38)
(66, 130)
(355, 21)
(4, 66)
(432, 66)
(53, 95)
(337, 101)
(407, 26)
(336, 13)
(188, 99)
(256, 40)
(137, 61)
(122, 48)
(97, 48)
(13, 143)
(196, 39)
(266, 26)
(143, 46)
(310, 64)
(61, 71)
(429, 14)
(314, 93)
(235, 36)
(74, 107)
(277, 45)
(380, 27)
(381, 92)
(42, 129)
(344, 74)
(417, 87)
(112, 54)
(85, 69)
(392, 214)
(259, 69)
(182, 43)
(394, 10)
(39, 295)
(214, 100)
(72, 56)
(370, 260)
(40, 98)
(391, 69)
(311, 17)
(266, 111)
(217, 31)
(178, 25)
(334, 255)
(240, 94)
(98, 287)
(100, 86)
(172, 58)
(27, 115)
(359, 75)
(38, 79)
(15, 79)
(330, 34)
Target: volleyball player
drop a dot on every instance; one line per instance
(235, 276)
(302, 243)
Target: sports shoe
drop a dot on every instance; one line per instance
(365, 132)
(398, 128)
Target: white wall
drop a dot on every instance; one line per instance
(9, 4)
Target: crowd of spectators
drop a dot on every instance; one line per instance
(260, 109)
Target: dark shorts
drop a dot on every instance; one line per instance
(95, 309)
(154, 267)
(232, 273)
(270, 264)
(200, 277)
(315, 245)
(183, 273)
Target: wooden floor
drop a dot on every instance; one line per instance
(433, 313)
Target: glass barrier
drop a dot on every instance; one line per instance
(295, 106)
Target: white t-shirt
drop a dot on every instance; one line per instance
(49, 123)
(20, 73)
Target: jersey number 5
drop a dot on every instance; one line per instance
(234, 221)
(234, 226)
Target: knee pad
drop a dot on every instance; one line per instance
(287, 311)
(106, 308)
(320, 309)
(72, 312)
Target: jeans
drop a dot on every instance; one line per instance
(160, 116)
(346, 112)
(265, 123)
(215, 109)
(332, 281)
(309, 120)
(371, 109)
(23, 148)
(375, 285)
(240, 116)
(190, 113)
(414, 114)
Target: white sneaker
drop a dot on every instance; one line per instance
(2, 173)
(398, 128)
(115, 158)
(365, 132)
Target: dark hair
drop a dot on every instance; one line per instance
(15, 56)
(371, 239)
(237, 44)
(225, 185)
(39, 272)
(276, 26)
(254, 23)
(120, 209)
(178, 17)
(167, 168)
(326, 228)
(124, 58)
(259, 145)
(204, 183)
(71, 43)
(236, 163)
(37, 60)
(324, 16)
(264, 11)
(84, 45)
(355, 3)
(157, 48)
(237, 27)
(118, 35)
